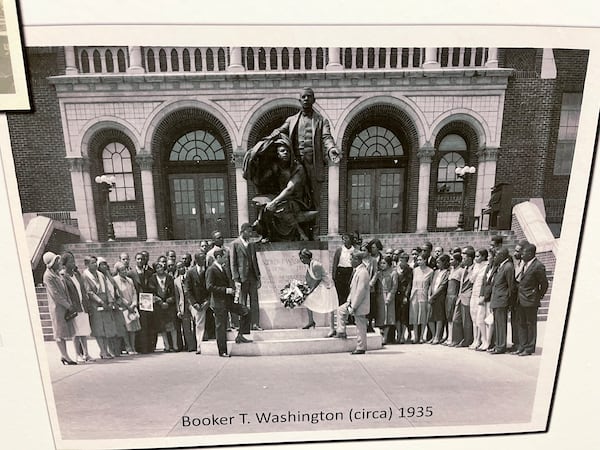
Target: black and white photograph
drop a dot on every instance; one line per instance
(285, 242)
(13, 87)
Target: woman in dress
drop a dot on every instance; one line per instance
(452, 293)
(60, 306)
(419, 296)
(165, 310)
(478, 308)
(79, 300)
(405, 274)
(129, 298)
(437, 297)
(115, 344)
(322, 296)
(387, 285)
(101, 317)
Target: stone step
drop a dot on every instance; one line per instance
(297, 346)
(290, 333)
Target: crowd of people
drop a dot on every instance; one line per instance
(461, 298)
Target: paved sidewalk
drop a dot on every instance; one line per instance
(148, 395)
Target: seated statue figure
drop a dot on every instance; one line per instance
(285, 209)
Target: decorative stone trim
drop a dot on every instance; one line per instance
(79, 164)
(144, 161)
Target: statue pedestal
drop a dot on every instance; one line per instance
(279, 263)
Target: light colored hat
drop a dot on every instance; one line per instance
(50, 258)
(100, 260)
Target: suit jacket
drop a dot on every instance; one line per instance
(533, 285)
(80, 304)
(194, 287)
(168, 294)
(503, 285)
(242, 260)
(141, 281)
(359, 296)
(217, 281)
(321, 139)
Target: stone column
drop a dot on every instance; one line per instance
(334, 59)
(70, 64)
(145, 162)
(84, 199)
(135, 60)
(486, 178)
(241, 186)
(425, 154)
(235, 64)
(431, 61)
(548, 65)
(333, 196)
(492, 59)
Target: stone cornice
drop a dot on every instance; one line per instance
(78, 164)
(393, 80)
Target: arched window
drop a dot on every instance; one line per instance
(174, 60)
(197, 145)
(151, 62)
(273, 58)
(121, 61)
(454, 148)
(376, 141)
(186, 60)
(108, 58)
(97, 62)
(116, 161)
(262, 59)
(285, 59)
(162, 60)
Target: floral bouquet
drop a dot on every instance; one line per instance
(293, 294)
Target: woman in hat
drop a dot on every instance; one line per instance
(101, 320)
(130, 312)
(115, 344)
(60, 306)
(76, 291)
(322, 296)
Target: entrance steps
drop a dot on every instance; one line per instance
(293, 342)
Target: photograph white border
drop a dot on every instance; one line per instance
(19, 100)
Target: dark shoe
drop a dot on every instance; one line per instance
(498, 352)
(67, 362)
(524, 353)
(332, 333)
(370, 329)
(341, 335)
(515, 352)
(490, 350)
(240, 339)
(358, 352)
(198, 352)
(513, 348)
(224, 355)
(309, 326)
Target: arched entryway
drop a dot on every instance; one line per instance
(374, 175)
(194, 176)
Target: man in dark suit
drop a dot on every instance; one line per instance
(145, 340)
(221, 291)
(503, 289)
(246, 274)
(196, 302)
(533, 285)
(311, 140)
(430, 260)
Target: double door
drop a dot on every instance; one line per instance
(199, 205)
(376, 200)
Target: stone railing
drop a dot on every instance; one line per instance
(107, 60)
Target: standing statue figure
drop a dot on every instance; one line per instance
(310, 142)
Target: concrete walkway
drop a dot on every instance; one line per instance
(149, 395)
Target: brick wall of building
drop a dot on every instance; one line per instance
(37, 138)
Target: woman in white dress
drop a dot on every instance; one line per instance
(322, 296)
(479, 309)
(130, 312)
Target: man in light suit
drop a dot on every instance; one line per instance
(246, 274)
(503, 289)
(221, 291)
(312, 142)
(533, 285)
(358, 303)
